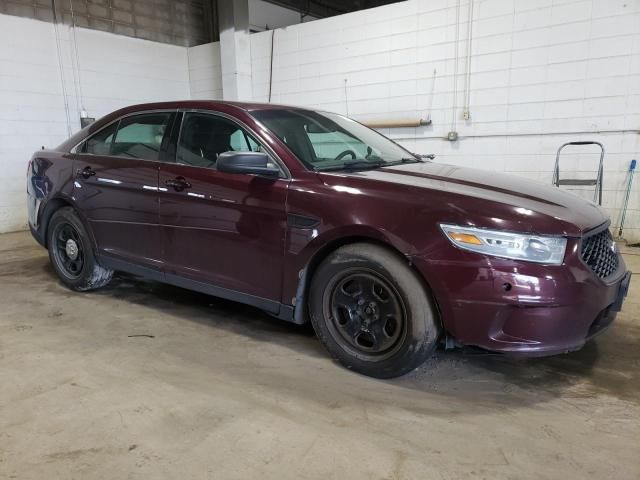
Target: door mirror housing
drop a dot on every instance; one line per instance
(255, 163)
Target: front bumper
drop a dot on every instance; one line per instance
(518, 307)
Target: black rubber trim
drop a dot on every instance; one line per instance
(279, 310)
(262, 303)
(129, 267)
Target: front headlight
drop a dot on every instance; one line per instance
(518, 246)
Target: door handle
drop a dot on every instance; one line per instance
(86, 172)
(178, 184)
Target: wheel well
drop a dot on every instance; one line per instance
(50, 208)
(326, 250)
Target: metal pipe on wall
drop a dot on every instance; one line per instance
(399, 123)
(408, 123)
(521, 134)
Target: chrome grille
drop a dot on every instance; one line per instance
(599, 252)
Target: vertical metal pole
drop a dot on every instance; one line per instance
(632, 169)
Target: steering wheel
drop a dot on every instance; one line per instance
(345, 153)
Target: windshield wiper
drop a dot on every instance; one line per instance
(356, 165)
(368, 164)
(404, 160)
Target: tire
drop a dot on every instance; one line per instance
(371, 311)
(71, 253)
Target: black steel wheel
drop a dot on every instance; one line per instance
(366, 313)
(68, 250)
(71, 252)
(372, 312)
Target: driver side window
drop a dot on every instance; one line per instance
(203, 137)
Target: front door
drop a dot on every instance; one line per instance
(116, 186)
(220, 229)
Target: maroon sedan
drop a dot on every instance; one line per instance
(312, 216)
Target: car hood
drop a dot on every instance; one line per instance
(524, 204)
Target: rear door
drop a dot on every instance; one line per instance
(221, 229)
(116, 186)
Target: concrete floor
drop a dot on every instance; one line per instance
(223, 391)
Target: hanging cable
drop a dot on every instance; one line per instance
(455, 71)
(61, 68)
(346, 99)
(431, 94)
(74, 72)
(467, 83)
(273, 35)
(82, 112)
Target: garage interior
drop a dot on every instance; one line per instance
(145, 380)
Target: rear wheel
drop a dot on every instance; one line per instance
(372, 312)
(71, 253)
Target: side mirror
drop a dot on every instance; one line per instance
(256, 163)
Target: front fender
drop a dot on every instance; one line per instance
(305, 256)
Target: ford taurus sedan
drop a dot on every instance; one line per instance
(311, 216)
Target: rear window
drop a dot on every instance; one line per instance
(141, 136)
(100, 143)
(136, 136)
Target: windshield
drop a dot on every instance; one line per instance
(328, 141)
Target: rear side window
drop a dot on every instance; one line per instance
(100, 143)
(141, 136)
(137, 136)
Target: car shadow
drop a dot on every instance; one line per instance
(483, 381)
(608, 364)
(212, 311)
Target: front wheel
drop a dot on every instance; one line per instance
(71, 253)
(371, 311)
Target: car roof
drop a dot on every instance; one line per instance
(210, 104)
(171, 105)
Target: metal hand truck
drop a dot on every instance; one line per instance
(596, 182)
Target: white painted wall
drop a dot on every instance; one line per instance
(114, 71)
(538, 68)
(205, 72)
